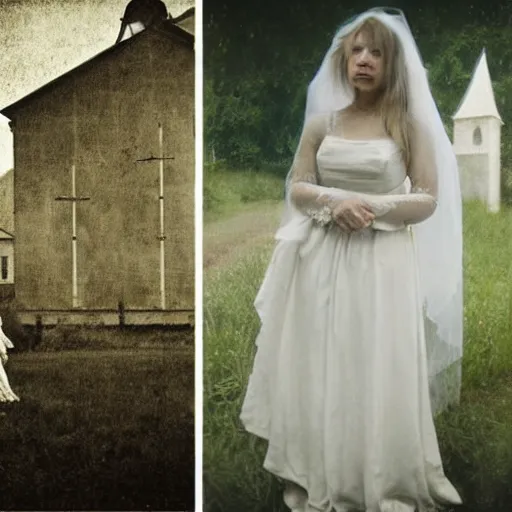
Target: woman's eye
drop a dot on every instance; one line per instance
(357, 49)
(376, 53)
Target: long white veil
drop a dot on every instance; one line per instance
(438, 240)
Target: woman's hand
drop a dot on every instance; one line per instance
(352, 215)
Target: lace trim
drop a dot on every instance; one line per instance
(305, 178)
(322, 216)
(420, 190)
(427, 191)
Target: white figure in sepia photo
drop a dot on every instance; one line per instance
(6, 392)
(97, 139)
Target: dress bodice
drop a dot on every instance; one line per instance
(366, 166)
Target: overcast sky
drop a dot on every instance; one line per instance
(42, 39)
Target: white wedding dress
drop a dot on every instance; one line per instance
(6, 393)
(339, 386)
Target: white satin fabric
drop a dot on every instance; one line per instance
(340, 383)
(439, 238)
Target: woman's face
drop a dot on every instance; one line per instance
(365, 68)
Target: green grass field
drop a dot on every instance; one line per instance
(227, 191)
(99, 430)
(475, 438)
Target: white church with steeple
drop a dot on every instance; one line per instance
(477, 139)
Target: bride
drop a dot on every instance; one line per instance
(361, 310)
(6, 393)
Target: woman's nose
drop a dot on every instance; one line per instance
(363, 57)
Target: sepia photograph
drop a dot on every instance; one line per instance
(357, 298)
(97, 300)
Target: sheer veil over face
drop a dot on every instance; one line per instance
(384, 43)
(365, 67)
(438, 240)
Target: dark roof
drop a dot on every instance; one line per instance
(5, 235)
(168, 29)
(184, 15)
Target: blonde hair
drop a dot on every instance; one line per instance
(394, 108)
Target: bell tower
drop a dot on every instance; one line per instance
(477, 139)
(139, 15)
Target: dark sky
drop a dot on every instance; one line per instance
(42, 39)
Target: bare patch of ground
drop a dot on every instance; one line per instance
(227, 239)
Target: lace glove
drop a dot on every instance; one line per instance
(392, 211)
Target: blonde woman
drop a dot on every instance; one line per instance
(361, 312)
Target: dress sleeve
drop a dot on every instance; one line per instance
(305, 193)
(392, 211)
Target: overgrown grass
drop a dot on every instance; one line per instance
(226, 191)
(61, 337)
(99, 430)
(475, 438)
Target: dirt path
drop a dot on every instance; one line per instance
(227, 239)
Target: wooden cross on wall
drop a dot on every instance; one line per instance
(161, 235)
(73, 198)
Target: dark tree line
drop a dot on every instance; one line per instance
(260, 56)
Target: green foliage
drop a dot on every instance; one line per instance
(259, 60)
(475, 438)
(225, 190)
(487, 294)
(232, 459)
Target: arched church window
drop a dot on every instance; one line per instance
(477, 136)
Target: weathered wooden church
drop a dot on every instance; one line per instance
(104, 186)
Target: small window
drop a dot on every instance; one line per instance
(5, 271)
(477, 136)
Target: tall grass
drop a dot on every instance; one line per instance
(488, 294)
(232, 460)
(225, 191)
(475, 438)
(99, 430)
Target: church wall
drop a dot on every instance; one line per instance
(474, 176)
(463, 136)
(479, 164)
(494, 165)
(104, 119)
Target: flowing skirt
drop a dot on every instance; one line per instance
(339, 386)
(6, 393)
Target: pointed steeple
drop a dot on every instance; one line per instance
(479, 98)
